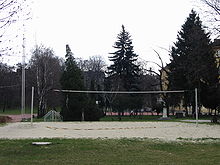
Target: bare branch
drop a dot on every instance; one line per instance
(152, 71)
(155, 64)
(213, 4)
(212, 14)
(11, 11)
(158, 55)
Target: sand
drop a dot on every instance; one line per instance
(168, 131)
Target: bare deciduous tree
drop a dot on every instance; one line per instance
(11, 11)
(94, 63)
(212, 12)
(47, 69)
(8, 10)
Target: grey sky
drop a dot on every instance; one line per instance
(90, 27)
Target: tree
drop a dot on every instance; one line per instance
(93, 110)
(9, 87)
(46, 69)
(93, 70)
(124, 68)
(72, 79)
(192, 63)
(11, 11)
(94, 76)
(213, 14)
(124, 72)
(76, 106)
(94, 63)
(150, 80)
(210, 97)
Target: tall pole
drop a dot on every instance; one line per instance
(196, 106)
(23, 74)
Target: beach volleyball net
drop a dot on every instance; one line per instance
(141, 102)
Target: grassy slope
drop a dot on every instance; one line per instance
(107, 152)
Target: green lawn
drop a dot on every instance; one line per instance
(128, 118)
(11, 112)
(16, 111)
(108, 152)
(108, 118)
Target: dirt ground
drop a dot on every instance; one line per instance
(5, 119)
(159, 130)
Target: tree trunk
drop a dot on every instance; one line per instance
(41, 106)
(187, 112)
(4, 106)
(119, 115)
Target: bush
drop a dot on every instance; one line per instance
(93, 113)
(158, 107)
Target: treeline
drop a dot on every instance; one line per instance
(46, 72)
(42, 72)
(193, 65)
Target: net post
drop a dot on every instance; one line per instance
(196, 106)
(83, 116)
(32, 104)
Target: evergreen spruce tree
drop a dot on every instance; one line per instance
(76, 106)
(72, 79)
(192, 63)
(124, 68)
(123, 73)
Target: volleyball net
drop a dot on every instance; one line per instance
(118, 101)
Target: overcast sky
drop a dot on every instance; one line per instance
(90, 27)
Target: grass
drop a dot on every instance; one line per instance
(11, 112)
(2, 124)
(16, 111)
(108, 118)
(128, 118)
(108, 152)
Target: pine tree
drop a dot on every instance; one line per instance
(192, 63)
(76, 106)
(72, 79)
(124, 68)
(123, 73)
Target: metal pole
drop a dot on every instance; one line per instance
(23, 81)
(32, 105)
(196, 106)
(83, 117)
(23, 71)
